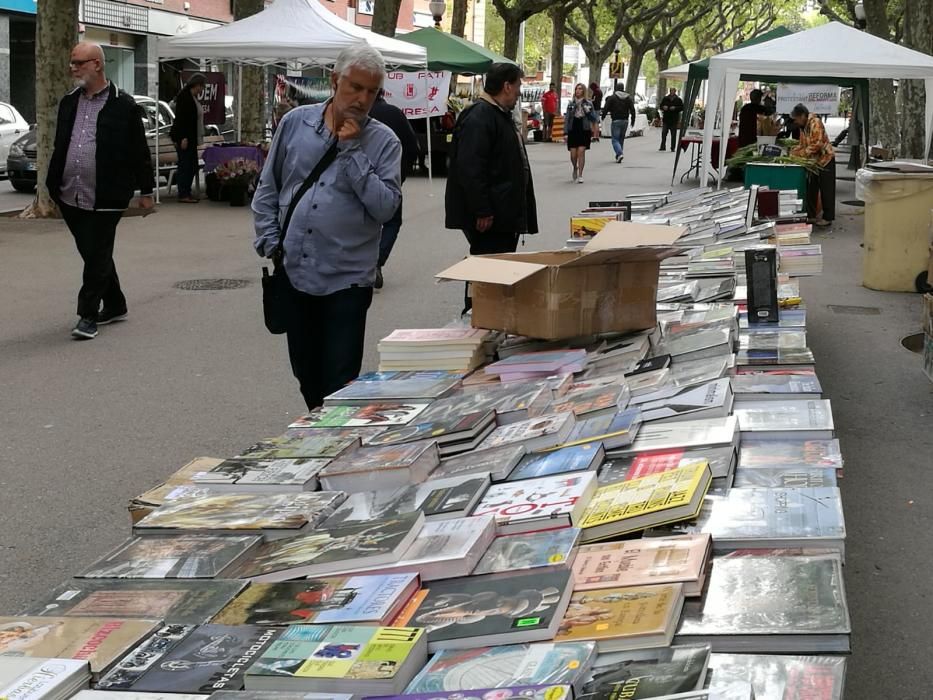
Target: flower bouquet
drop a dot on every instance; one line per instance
(236, 177)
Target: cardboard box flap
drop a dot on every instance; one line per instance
(628, 234)
(621, 255)
(490, 270)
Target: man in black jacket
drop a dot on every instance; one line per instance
(395, 119)
(186, 133)
(490, 195)
(100, 159)
(621, 108)
(671, 107)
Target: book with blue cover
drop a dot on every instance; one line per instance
(614, 432)
(530, 550)
(563, 461)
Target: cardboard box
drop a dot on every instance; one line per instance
(609, 286)
(145, 503)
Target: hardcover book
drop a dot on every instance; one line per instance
(378, 414)
(182, 557)
(372, 468)
(538, 433)
(270, 695)
(98, 640)
(517, 692)
(547, 503)
(275, 475)
(341, 658)
(511, 403)
(661, 437)
(319, 444)
(179, 601)
(272, 515)
(588, 403)
(498, 463)
(771, 604)
(367, 600)
(465, 613)
(784, 477)
(711, 400)
(614, 432)
(394, 386)
(463, 427)
(721, 463)
(505, 666)
(530, 550)
(647, 673)
(578, 458)
(783, 677)
(629, 506)
(42, 679)
(793, 454)
(326, 551)
(766, 420)
(618, 619)
(643, 562)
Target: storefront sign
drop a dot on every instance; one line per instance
(819, 99)
(418, 94)
(212, 99)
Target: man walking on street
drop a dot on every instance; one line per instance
(671, 107)
(331, 246)
(621, 108)
(549, 106)
(395, 119)
(99, 160)
(490, 195)
(814, 144)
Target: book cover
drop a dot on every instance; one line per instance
(182, 557)
(642, 562)
(436, 336)
(647, 673)
(40, 679)
(269, 473)
(520, 400)
(783, 339)
(498, 463)
(320, 444)
(614, 431)
(588, 402)
(784, 477)
(505, 666)
(628, 506)
(463, 613)
(588, 226)
(660, 437)
(547, 361)
(378, 414)
(563, 461)
(370, 459)
(783, 677)
(395, 386)
(791, 454)
(208, 658)
(721, 463)
(269, 695)
(540, 432)
(98, 640)
(631, 617)
(778, 386)
(184, 602)
(789, 416)
(460, 427)
(713, 398)
(337, 600)
(355, 653)
(244, 511)
(538, 504)
(775, 356)
(530, 550)
(325, 550)
(517, 692)
(130, 695)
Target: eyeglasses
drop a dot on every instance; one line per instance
(76, 64)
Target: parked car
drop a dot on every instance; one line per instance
(21, 162)
(12, 127)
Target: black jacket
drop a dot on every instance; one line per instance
(486, 175)
(620, 106)
(395, 119)
(674, 105)
(185, 125)
(124, 163)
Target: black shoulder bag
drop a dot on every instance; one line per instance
(276, 289)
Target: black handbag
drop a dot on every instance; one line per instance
(276, 289)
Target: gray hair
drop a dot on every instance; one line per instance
(360, 55)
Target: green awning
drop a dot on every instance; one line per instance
(453, 53)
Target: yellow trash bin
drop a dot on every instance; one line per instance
(897, 227)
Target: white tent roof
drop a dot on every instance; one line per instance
(676, 73)
(832, 51)
(303, 31)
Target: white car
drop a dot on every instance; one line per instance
(12, 126)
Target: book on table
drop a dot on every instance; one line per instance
(36, 678)
(711, 400)
(781, 420)
(589, 403)
(265, 475)
(317, 443)
(393, 386)
(375, 414)
(784, 477)
(794, 454)
(586, 457)
(757, 387)
(539, 433)
(373, 468)
(661, 437)
(498, 463)
(546, 503)
(779, 677)
(525, 692)
(530, 550)
(721, 462)
(647, 673)
(465, 427)
(615, 431)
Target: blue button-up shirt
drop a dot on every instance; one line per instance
(332, 241)
(79, 179)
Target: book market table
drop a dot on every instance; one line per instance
(694, 142)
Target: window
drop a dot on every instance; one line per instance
(6, 115)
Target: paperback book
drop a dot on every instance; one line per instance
(647, 673)
(511, 403)
(763, 387)
(373, 468)
(780, 420)
(531, 550)
(394, 386)
(588, 403)
(578, 458)
(711, 400)
(721, 462)
(784, 477)
(614, 432)
(498, 463)
(463, 428)
(269, 475)
(517, 692)
(42, 679)
(319, 444)
(793, 454)
(547, 503)
(783, 677)
(538, 433)
(661, 437)
(374, 414)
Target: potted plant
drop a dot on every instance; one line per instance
(236, 177)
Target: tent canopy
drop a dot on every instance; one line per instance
(831, 53)
(676, 73)
(453, 53)
(302, 31)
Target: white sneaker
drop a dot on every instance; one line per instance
(579, 180)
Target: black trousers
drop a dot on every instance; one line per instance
(487, 243)
(823, 184)
(325, 340)
(94, 233)
(187, 168)
(668, 128)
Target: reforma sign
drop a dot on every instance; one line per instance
(819, 99)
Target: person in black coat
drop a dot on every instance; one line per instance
(395, 119)
(186, 134)
(671, 107)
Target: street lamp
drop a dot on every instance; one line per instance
(860, 19)
(437, 7)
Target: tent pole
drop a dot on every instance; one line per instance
(239, 102)
(428, 132)
(158, 191)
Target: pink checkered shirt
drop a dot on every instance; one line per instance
(79, 180)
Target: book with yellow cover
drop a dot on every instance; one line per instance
(621, 619)
(589, 226)
(629, 506)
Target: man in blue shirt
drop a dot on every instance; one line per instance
(331, 248)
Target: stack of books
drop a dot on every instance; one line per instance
(453, 349)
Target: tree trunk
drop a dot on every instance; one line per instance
(883, 123)
(911, 94)
(252, 108)
(596, 59)
(56, 34)
(664, 62)
(458, 18)
(558, 22)
(385, 17)
(513, 28)
(634, 68)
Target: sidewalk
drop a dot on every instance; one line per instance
(86, 426)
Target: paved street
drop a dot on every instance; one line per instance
(85, 426)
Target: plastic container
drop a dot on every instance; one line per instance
(897, 227)
(777, 176)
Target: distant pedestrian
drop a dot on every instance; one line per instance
(99, 160)
(331, 246)
(814, 144)
(395, 119)
(621, 110)
(596, 97)
(671, 107)
(490, 194)
(550, 107)
(187, 133)
(748, 118)
(578, 130)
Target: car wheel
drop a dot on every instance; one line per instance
(23, 185)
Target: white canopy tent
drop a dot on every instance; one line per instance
(831, 51)
(680, 73)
